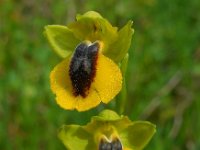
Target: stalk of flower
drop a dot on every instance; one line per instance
(91, 48)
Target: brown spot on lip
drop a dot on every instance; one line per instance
(82, 68)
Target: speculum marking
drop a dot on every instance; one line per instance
(82, 68)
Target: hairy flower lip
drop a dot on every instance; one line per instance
(106, 143)
(107, 83)
(82, 70)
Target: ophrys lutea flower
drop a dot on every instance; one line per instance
(108, 131)
(92, 50)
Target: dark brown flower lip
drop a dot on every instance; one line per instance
(82, 68)
(114, 144)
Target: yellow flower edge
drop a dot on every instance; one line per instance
(106, 85)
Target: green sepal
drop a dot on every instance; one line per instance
(74, 137)
(89, 14)
(120, 47)
(62, 39)
(109, 117)
(137, 135)
(91, 26)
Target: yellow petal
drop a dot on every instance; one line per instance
(108, 80)
(62, 87)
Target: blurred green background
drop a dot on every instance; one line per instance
(163, 75)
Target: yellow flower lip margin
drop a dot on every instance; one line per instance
(93, 27)
(107, 125)
(106, 85)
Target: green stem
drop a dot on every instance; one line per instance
(122, 97)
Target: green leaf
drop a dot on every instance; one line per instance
(61, 39)
(120, 47)
(74, 137)
(137, 135)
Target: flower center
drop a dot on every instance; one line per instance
(82, 68)
(114, 144)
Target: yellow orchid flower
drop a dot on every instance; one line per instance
(108, 131)
(91, 47)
